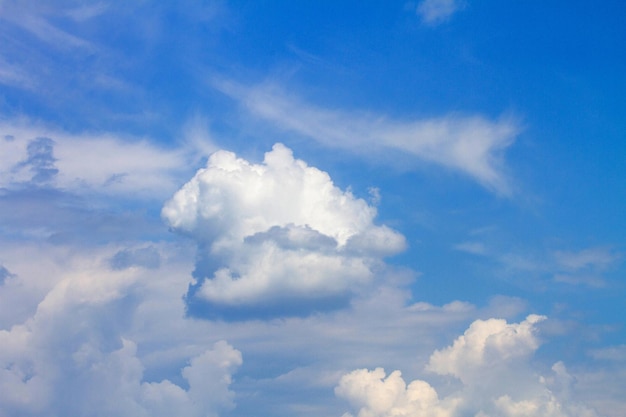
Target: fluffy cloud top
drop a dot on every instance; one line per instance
(484, 359)
(486, 342)
(77, 353)
(280, 229)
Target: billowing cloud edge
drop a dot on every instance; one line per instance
(491, 361)
(277, 232)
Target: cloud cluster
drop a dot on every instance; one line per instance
(77, 353)
(491, 360)
(472, 145)
(277, 231)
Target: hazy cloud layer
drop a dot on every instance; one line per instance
(470, 144)
(73, 162)
(279, 230)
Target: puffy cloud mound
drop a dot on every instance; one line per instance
(279, 230)
(491, 343)
(377, 395)
(491, 361)
(86, 348)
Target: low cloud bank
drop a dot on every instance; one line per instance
(83, 350)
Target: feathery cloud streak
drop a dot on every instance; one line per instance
(472, 145)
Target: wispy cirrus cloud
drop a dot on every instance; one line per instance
(585, 267)
(470, 144)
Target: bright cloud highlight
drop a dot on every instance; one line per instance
(277, 229)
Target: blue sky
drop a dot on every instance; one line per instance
(312, 208)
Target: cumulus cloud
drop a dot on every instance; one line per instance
(486, 342)
(491, 361)
(434, 12)
(472, 145)
(78, 354)
(276, 231)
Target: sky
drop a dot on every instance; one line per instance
(313, 208)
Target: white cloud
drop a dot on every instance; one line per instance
(472, 145)
(34, 20)
(98, 331)
(378, 395)
(277, 229)
(486, 342)
(434, 12)
(483, 358)
(77, 353)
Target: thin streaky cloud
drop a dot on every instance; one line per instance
(596, 258)
(472, 145)
(49, 33)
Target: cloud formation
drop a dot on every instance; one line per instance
(472, 145)
(78, 352)
(491, 361)
(276, 231)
